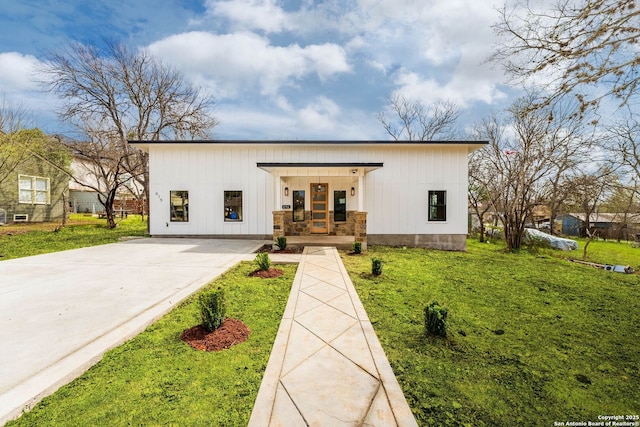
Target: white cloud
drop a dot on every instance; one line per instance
(264, 15)
(17, 71)
(462, 89)
(319, 115)
(237, 62)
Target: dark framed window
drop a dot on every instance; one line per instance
(437, 205)
(179, 205)
(339, 205)
(298, 205)
(233, 206)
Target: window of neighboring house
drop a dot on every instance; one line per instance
(437, 205)
(34, 190)
(298, 205)
(340, 206)
(233, 205)
(179, 206)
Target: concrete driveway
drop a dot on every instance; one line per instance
(60, 312)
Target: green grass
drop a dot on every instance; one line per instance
(156, 379)
(527, 334)
(22, 240)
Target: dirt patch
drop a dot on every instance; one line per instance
(231, 332)
(271, 273)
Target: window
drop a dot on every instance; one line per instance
(437, 205)
(298, 205)
(339, 206)
(34, 190)
(233, 205)
(179, 205)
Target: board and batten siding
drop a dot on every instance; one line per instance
(394, 196)
(207, 172)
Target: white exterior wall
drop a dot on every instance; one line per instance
(394, 196)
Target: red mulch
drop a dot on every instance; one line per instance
(267, 274)
(231, 332)
(287, 250)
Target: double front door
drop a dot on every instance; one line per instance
(319, 208)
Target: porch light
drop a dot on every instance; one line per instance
(353, 191)
(286, 191)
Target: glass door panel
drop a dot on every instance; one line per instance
(319, 208)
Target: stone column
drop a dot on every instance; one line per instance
(278, 224)
(361, 229)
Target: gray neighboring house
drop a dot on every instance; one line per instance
(608, 225)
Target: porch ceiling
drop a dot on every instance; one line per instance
(328, 169)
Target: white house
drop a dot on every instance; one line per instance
(380, 192)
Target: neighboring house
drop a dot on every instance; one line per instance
(608, 225)
(84, 198)
(379, 192)
(35, 191)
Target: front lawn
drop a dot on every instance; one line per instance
(156, 379)
(533, 339)
(26, 239)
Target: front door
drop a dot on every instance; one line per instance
(319, 208)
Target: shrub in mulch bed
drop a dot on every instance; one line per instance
(231, 332)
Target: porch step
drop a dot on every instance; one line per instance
(340, 242)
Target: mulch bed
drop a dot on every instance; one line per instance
(287, 250)
(271, 273)
(231, 332)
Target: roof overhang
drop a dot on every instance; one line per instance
(318, 168)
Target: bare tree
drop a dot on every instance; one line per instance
(527, 148)
(412, 121)
(624, 202)
(624, 141)
(113, 94)
(573, 48)
(587, 191)
(478, 196)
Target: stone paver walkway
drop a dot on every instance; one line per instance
(327, 367)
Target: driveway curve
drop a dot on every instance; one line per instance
(60, 312)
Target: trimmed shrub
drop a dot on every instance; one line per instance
(263, 261)
(212, 309)
(357, 247)
(281, 242)
(376, 266)
(435, 319)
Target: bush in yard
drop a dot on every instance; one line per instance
(281, 242)
(357, 247)
(263, 261)
(212, 309)
(435, 319)
(376, 266)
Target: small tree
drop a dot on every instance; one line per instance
(212, 309)
(263, 261)
(435, 319)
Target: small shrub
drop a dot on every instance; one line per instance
(281, 242)
(376, 266)
(212, 309)
(435, 319)
(357, 247)
(263, 261)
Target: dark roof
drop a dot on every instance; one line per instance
(308, 142)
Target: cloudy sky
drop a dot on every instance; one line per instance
(278, 69)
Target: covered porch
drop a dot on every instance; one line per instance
(320, 202)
